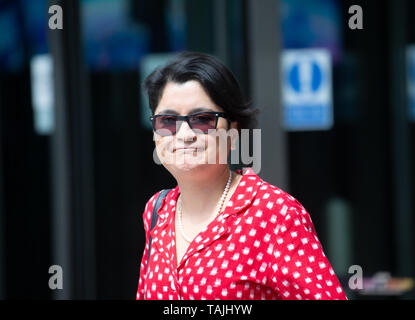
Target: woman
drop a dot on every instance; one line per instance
(221, 234)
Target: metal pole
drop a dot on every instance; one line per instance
(264, 59)
(60, 166)
(72, 163)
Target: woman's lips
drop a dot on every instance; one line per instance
(190, 149)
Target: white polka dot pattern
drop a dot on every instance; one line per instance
(262, 246)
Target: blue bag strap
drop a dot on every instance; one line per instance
(154, 218)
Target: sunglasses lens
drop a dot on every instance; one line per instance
(165, 125)
(203, 121)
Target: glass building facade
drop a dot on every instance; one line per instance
(76, 149)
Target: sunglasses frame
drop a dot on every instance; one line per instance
(187, 119)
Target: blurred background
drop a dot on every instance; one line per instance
(76, 149)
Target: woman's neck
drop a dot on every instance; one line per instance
(200, 197)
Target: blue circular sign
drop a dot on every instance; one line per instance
(316, 78)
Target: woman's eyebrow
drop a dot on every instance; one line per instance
(199, 109)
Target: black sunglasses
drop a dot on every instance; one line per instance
(168, 124)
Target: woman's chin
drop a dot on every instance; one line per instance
(186, 164)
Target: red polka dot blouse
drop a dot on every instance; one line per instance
(262, 246)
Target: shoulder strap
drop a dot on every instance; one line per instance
(155, 216)
(156, 208)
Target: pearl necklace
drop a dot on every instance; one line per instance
(218, 208)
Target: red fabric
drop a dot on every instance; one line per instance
(262, 246)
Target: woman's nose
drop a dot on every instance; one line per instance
(184, 132)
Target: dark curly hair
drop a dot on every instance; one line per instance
(217, 80)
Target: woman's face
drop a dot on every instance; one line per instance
(189, 149)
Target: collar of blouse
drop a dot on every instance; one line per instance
(242, 198)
